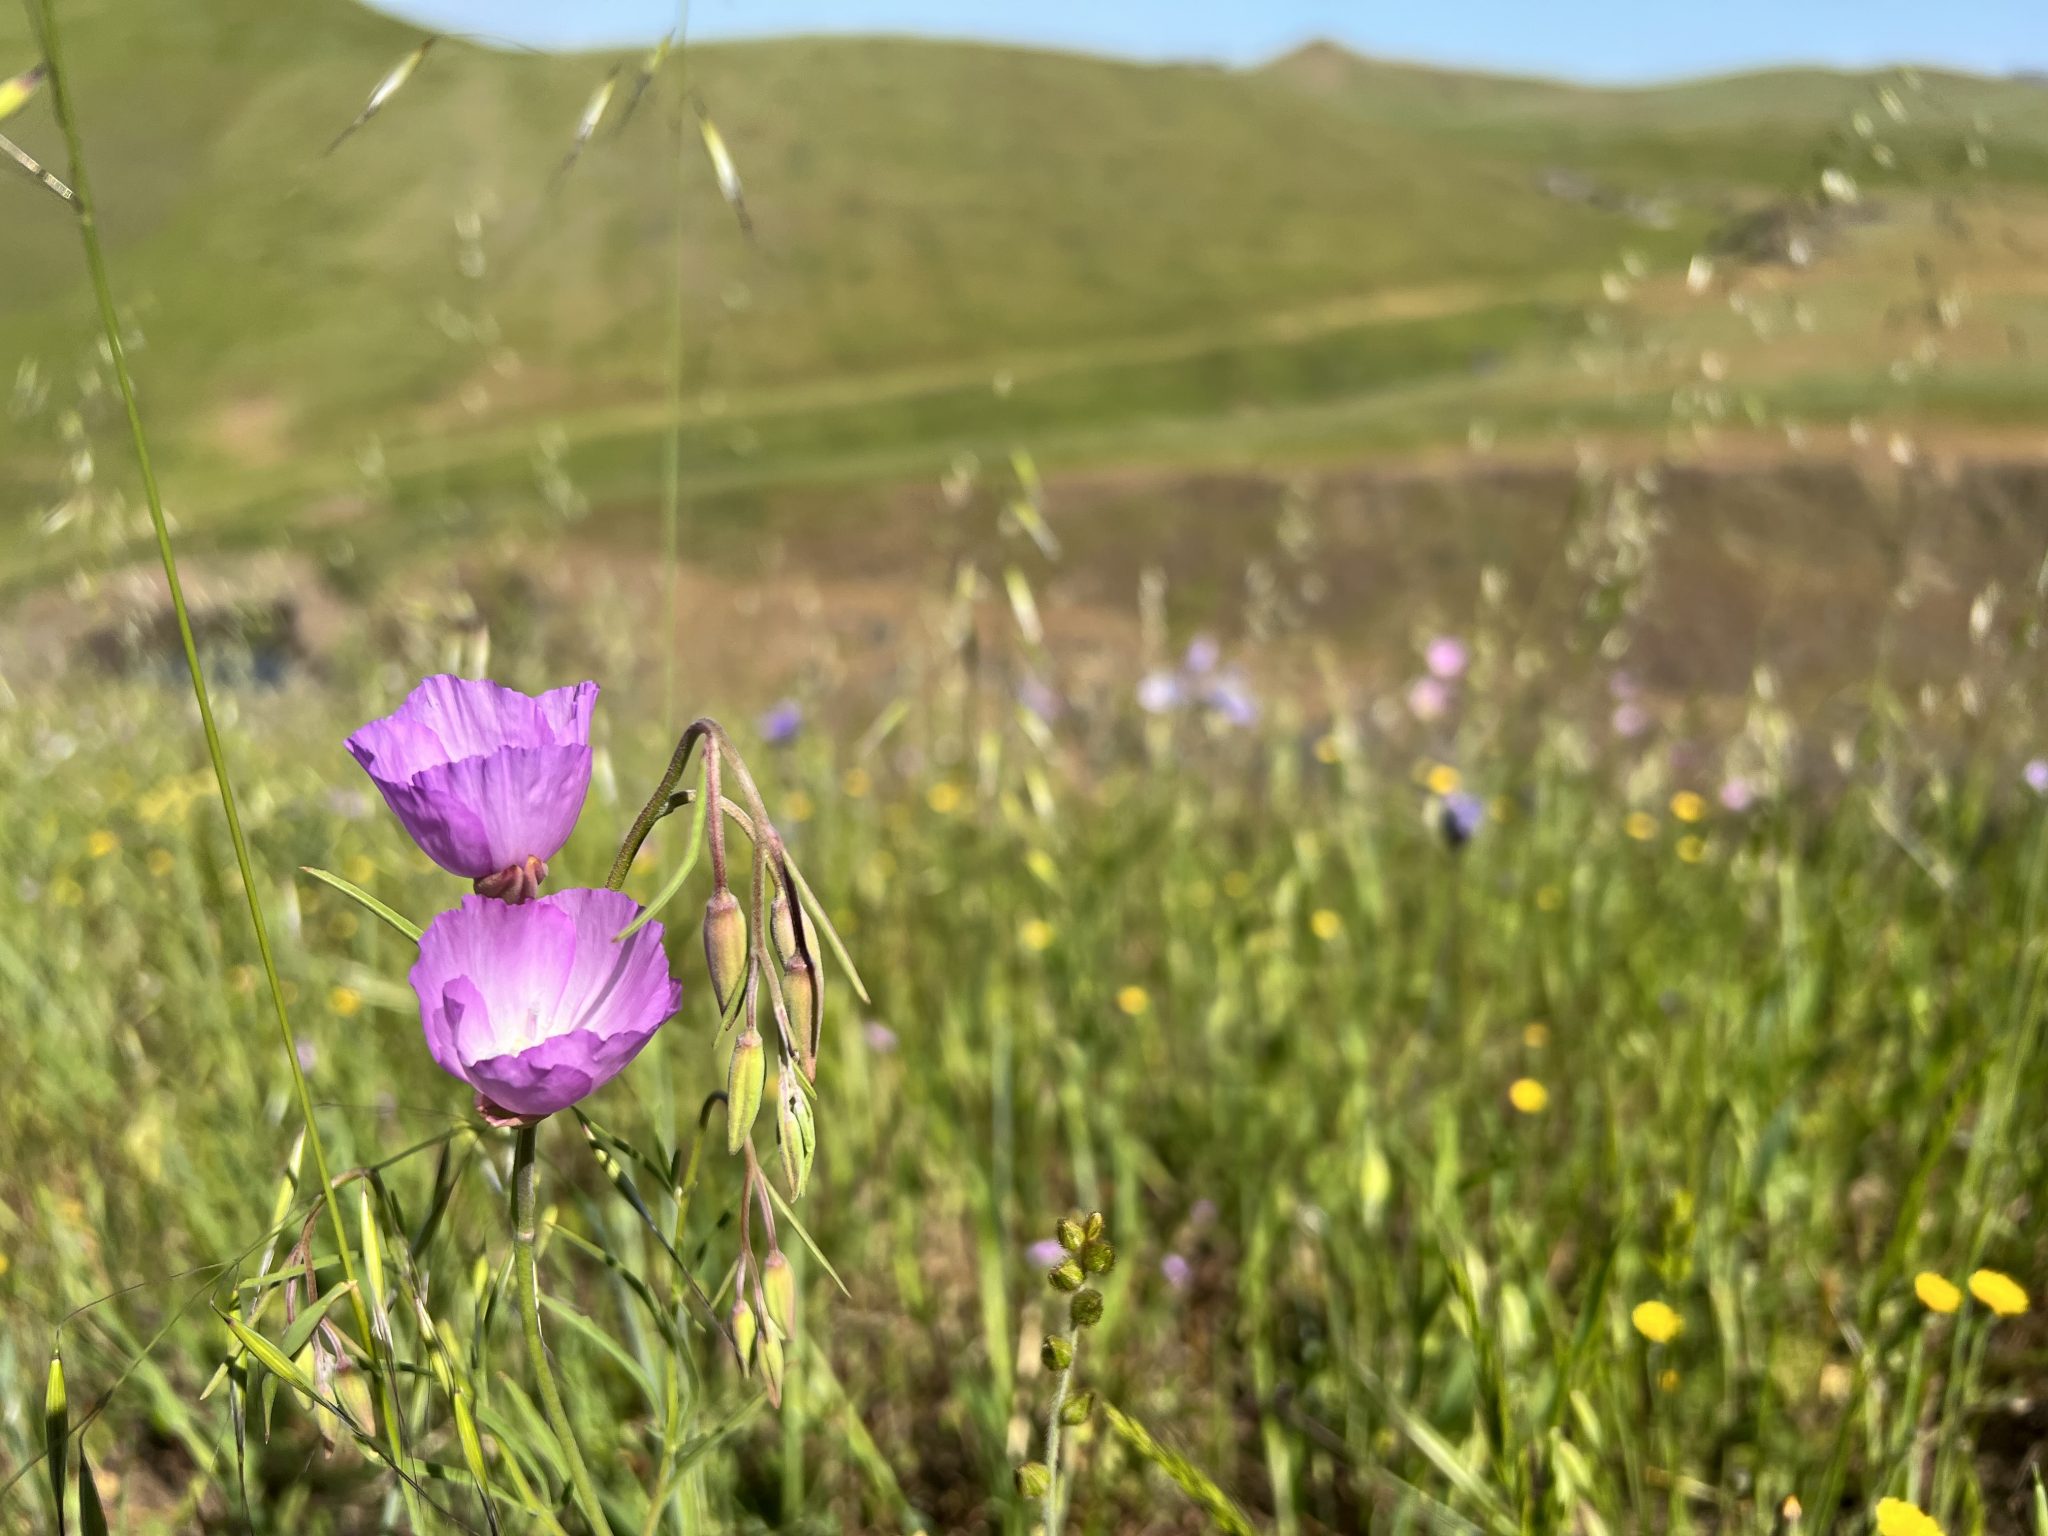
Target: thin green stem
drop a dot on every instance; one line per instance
(43, 20)
(525, 1227)
(1055, 1506)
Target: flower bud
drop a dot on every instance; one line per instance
(782, 926)
(1086, 1308)
(744, 1330)
(800, 997)
(1097, 1257)
(1075, 1410)
(725, 946)
(1065, 1275)
(796, 1130)
(778, 1290)
(1034, 1480)
(771, 1366)
(743, 1080)
(1092, 1227)
(1057, 1352)
(1069, 1233)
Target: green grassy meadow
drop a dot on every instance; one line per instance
(1584, 1080)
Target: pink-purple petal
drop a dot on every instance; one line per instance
(537, 1005)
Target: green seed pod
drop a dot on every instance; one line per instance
(771, 1366)
(743, 1080)
(782, 926)
(1097, 1257)
(1092, 1227)
(800, 997)
(1065, 1276)
(725, 946)
(1057, 1352)
(745, 1328)
(1034, 1480)
(796, 1130)
(1069, 1233)
(1086, 1308)
(778, 1289)
(1076, 1409)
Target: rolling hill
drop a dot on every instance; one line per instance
(1131, 244)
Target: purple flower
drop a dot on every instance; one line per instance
(1231, 697)
(1178, 1271)
(1460, 817)
(1045, 1253)
(1630, 719)
(1738, 795)
(1446, 657)
(1428, 698)
(1202, 1212)
(536, 1006)
(880, 1037)
(488, 780)
(2036, 775)
(1159, 693)
(1203, 654)
(779, 726)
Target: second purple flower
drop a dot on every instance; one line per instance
(489, 781)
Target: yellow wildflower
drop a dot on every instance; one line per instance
(1936, 1294)
(1667, 1380)
(943, 797)
(1325, 924)
(1641, 826)
(1036, 935)
(797, 806)
(3, 1265)
(102, 843)
(1656, 1321)
(1443, 779)
(2001, 1293)
(1895, 1517)
(1237, 885)
(1536, 1034)
(1528, 1095)
(1688, 807)
(1134, 1000)
(161, 862)
(1692, 848)
(359, 870)
(1549, 899)
(1327, 750)
(856, 783)
(346, 1001)
(1043, 865)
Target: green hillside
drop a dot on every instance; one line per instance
(1150, 243)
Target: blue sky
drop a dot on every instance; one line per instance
(1580, 39)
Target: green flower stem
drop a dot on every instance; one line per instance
(43, 21)
(1054, 1506)
(525, 1227)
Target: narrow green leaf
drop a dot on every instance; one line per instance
(300, 1333)
(364, 899)
(1184, 1474)
(578, 1323)
(817, 1253)
(92, 1515)
(816, 909)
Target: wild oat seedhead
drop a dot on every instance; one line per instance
(387, 88)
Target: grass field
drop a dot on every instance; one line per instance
(1474, 785)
